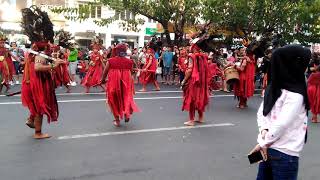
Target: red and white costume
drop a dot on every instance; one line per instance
(95, 70)
(196, 89)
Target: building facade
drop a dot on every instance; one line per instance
(84, 31)
(113, 33)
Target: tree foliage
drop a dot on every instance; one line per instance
(293, 19)
(173, 15)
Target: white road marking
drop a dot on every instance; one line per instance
(142, 131)
(99, 100)
(103, 93)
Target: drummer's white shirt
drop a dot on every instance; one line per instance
(286, 124)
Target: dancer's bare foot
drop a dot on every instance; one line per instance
(142, 90)
(314, 119)
(7, 89)
(87, 90)
(189, 123)
(30, 123)
(200, 120)
(41, 136)
(116, 123)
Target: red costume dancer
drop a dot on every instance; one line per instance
(120, 85)
(38, 92)
(61, 74)
(95, 70)
(82, 69)
(182, 64)
(4, 67)
(314, 88)
(213, 72)
(195, 86)
(38, 88)
(11, 67)
(148, 72)
(245, 87)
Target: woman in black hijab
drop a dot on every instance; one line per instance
(282, 116)
(288, 66)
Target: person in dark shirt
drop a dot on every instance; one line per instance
(264, 69)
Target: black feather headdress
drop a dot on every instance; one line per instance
(64, 39)
(37, 25)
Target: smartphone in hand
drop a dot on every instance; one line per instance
(255, 157)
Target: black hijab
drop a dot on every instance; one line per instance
(288, 66)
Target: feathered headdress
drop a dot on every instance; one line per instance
(37, 25)
(64, 39)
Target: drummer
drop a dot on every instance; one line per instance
(245, 87)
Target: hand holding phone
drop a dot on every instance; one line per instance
(257, 154)
(255, 157)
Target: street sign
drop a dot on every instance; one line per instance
(151, 31)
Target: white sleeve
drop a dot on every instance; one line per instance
(262, 123)
(287, 115)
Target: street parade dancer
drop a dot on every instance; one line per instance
(38, 88)
(182, 64)
(95, 70)
(213, 72)
(244, 88)
(120, 85)
(314, 87)
(61, 73)
(4, 67)
(148, 72)
(195, 86)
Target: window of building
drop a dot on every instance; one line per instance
(99, 11)
(124, 15)
(128, 15)
(116, 15)
(93, 11)
(83, 11)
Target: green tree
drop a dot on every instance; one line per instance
(293, 19)
(173, 15)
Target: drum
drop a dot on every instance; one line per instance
(231, 75)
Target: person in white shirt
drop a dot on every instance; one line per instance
(282, 116)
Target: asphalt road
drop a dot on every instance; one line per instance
(153, 146)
